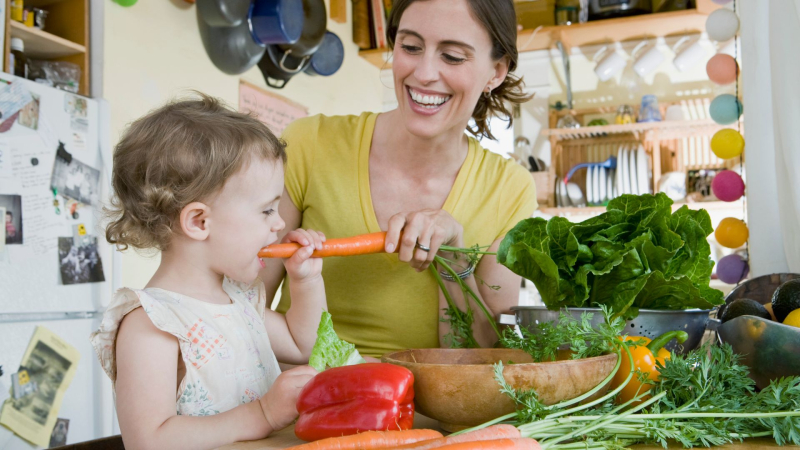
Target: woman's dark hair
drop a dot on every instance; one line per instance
(499, 19)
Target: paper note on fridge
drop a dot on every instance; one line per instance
(13, 97)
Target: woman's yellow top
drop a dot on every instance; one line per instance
(378, 302)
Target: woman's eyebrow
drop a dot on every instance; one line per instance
(447, 42)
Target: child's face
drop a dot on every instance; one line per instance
(244, 218)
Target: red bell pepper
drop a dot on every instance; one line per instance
(351, 399)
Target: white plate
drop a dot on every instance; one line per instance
(610, 184)
(598, 193)
(632, 172)
(618, 174)
(626, 181)
(561, 192)
(641, 171)
(590, 192)
(603, 184)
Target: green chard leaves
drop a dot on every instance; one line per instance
(638, 254)
(329, 350)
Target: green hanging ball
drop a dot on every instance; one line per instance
(125, 3)
(725, 109)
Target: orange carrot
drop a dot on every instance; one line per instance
(370, 440)
(493, 432)
(497, 444)
(364, 244)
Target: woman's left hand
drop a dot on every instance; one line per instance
(431, 228)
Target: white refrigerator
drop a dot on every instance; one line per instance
(55, 267)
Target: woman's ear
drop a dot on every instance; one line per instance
(194, 221)
(500, 72)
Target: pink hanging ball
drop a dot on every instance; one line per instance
(722, 69)
(732, 269)
(728, 186)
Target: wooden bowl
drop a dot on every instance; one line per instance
(457, 386)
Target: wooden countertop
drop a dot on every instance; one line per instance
(286, 438)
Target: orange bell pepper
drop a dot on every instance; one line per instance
(645, 359)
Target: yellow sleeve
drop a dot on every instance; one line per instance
(519, 197)
(301, 139)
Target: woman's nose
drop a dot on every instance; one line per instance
(426, 71)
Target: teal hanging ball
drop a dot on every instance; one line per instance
(725, 109)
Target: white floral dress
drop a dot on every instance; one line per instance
(225, 348)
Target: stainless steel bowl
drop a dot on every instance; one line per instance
(649, 323)
(770, 349)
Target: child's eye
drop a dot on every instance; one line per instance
(269, 212)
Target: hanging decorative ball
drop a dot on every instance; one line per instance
(722, 69)
(731, 233)
(125, 3)
(727, 143)
(732, 269)
(722, 25)
(725, 109)
(727, 186)
(721, 2)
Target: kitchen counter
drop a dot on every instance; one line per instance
(286, 438)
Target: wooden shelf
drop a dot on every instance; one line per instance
(690, 21)
(666, 129)
(378, 57)
(43, 45)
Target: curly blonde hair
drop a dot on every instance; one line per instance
(183, 152)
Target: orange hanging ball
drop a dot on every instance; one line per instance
(722, 69)
(731, 233)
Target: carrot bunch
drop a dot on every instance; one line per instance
(493, 437)
(366, 244)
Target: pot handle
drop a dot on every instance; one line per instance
(274, 83)
(299, 65)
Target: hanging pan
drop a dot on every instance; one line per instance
(232, 48)
(328, 58)
(276, 21)
(279, 67)
(314, 25)
(223, 13)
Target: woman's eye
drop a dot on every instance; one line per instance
(269, 212)
(411, 48)
(453, 59)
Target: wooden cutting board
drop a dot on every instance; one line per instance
(286, 438)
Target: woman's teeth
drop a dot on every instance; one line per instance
(428, 101)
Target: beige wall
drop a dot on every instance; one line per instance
(152, 52)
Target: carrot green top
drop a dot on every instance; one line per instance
(378, 302)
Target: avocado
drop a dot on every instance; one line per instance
(744, 307)
(786, 299)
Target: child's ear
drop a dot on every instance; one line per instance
(194, 220)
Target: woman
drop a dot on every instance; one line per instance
(414, 170)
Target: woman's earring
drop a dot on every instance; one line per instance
(487, 93)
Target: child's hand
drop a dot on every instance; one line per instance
(301, 265)
(280, 402)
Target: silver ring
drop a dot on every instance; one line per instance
(422, 247)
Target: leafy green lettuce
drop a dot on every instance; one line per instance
(638, 254)
(329, 350)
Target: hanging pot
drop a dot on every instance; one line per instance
(276, 21)
(223, 13)
(231, 49)
(278, 67)
(328, 58)
(315, 22)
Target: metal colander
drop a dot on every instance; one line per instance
(649, 323)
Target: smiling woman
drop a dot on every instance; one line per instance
(414, 172)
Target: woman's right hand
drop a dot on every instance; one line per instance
(280, 402)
